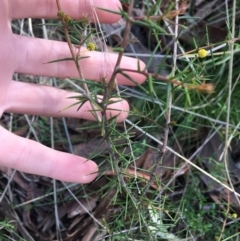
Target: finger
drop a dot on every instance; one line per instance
(31, 157)
(33, 99)
(76, 9)
(97, 65)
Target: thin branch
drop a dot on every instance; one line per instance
(64, 18)
(204, 88)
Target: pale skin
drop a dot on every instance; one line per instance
(26, 55)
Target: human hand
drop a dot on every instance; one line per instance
(27, 55)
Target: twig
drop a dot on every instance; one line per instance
(108, 91)
(64, 18)
(204, 88)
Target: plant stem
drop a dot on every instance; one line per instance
(64, 20)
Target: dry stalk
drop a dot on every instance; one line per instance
(163, 147)
(225, 157)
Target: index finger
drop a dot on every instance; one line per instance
(76, 9)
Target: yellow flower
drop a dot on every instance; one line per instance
(234, 215)
(202, 53)
(91, 46)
